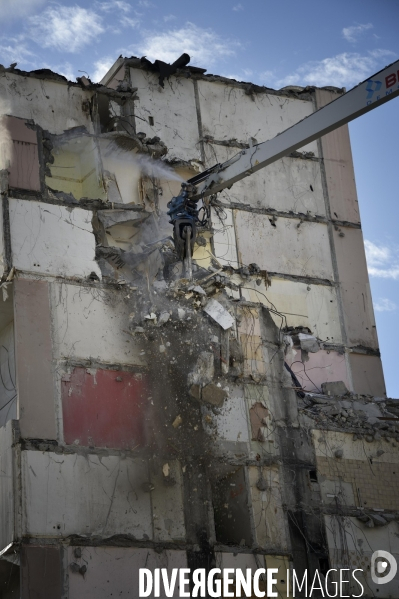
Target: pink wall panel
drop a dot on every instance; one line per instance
(24, 171)
(322, 367)
(105, 408)
(34, 356)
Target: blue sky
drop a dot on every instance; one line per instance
(312, 42)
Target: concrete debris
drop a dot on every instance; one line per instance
(165, 469)
(214, 395)
(163, 318)
(216, 311)
(204, 370)
(4, 292)
(151, 316)
(125, 142)
(261, 484)
(109, 218)
(334, 388)
(308, 343)
(371, 519)
(195, 392)
(198, 289)
(177, 421)
(164, 69)
(358, 414)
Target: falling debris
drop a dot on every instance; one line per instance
(214, 395)
(163, 318)
(308, 343)
(219, 314)
(177, 421)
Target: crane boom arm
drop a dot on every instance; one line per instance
(378, 89)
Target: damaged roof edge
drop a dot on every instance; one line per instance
(198, 73)
(110, 74)
(194, 72)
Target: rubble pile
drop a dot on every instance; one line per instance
(367, 417)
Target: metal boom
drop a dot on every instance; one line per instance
(378, 89)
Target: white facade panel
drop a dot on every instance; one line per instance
(52, 240)
(172, 111)
(290, 184)
(290, 246)
(92, 324)
(52, 105)
(227, 112)
(91, 494)
(114, 571)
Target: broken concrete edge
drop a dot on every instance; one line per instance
(60, 198)
(313, 218)
(193, 72)
(49, 75)
(122, 285)
(251, 88)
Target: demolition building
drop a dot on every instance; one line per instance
(234, 420)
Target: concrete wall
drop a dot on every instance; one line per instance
(54, 240)
(369, 467)
(24, 168)
(85, 494)
(348, 248)
(8, 390)
(174, 112)
(89, 324)
(45, 99)
(360, 543)
(115, 570)
(8, 480)
(34, 359)
(288, 247)
(227, 112)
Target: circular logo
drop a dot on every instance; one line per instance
(383, 567)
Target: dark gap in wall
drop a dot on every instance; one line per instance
(231, 513)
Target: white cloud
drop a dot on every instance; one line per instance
(128, 22)
(15, 50)
(168, 18)
(351, 34)
(17, 9)
(344, 70)
(114, 5)
(238, 7)
(65, 28)
(102, 66)
(266, 76)
(382, 261)
(383, 304)
(65, 69)
(204, 46)
(245, 75)
(146, 4)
